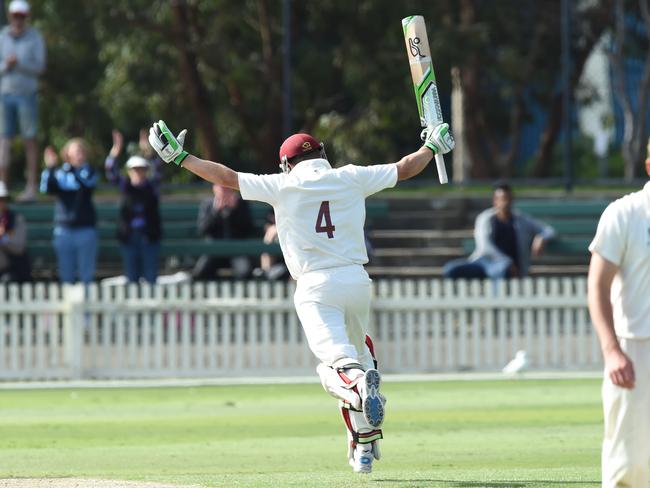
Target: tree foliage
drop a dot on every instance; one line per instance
(215, 67)
(635, 46)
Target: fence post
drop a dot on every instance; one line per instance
(73, 328)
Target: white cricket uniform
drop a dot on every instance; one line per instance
(623, 238)
(320, 214)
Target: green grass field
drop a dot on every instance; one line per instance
(521, 433)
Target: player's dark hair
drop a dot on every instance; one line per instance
(504, 186)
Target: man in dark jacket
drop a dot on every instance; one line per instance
(505, 241)
(139, 227)
(225, 216)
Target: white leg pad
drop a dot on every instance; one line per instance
(360, 425)
(342, 389)
(360, 432)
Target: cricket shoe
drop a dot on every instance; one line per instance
(362, 458)
(372, 402)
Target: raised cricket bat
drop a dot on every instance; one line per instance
(424, 79)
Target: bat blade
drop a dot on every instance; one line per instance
(424, 79)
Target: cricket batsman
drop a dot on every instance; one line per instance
(320, 214)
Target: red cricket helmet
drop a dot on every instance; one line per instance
(297, 145)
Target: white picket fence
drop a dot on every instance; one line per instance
(237, 329)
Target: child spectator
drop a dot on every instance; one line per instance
(75, 232)
(271, 267)
(14, 262)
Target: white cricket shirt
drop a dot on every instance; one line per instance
(320, 212)
(623, 238)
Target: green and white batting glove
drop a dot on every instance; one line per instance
(168, 146)
(438, 138)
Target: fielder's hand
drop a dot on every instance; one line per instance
(168, 146)
(438, 138)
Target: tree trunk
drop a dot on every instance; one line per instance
(199, 99)
(271, 137)
(635, 120)
(598, 18)
(470, 76)
(488, 157)
(481, 167)
(264, 134)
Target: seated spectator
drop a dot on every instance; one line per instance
(225, 216)
(14, 261)
(271, 267)
(75, 220)
(505, 240)
(139, 228)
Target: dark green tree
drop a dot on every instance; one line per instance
(215, 68)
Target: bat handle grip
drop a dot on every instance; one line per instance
(442, 171)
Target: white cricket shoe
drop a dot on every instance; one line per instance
(362, 458)
(372, 402)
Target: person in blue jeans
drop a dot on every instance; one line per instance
(505, 241)
(139, 228)
(75, 232)
(22, 60)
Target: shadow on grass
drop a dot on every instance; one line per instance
(487, 484)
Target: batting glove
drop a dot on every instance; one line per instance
(168, 146)
(438, 138)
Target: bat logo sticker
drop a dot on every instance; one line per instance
(414, 47)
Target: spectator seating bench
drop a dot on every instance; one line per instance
(563, 245)
(181, 242)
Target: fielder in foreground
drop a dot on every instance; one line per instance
(618, 291)
(320, 213)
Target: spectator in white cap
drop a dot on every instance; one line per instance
(139, 228)
(22, 60)
(14, 262)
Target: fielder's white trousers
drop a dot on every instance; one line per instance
(333, 306)
(626, 446)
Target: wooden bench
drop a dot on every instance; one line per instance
(575, 222)
(545, 209)
(569, 245)
(180, 243)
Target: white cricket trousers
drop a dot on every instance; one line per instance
(333, 306)
(626, 446)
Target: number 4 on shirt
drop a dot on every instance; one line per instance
(324, 217)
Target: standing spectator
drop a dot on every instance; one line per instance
(75, 233)
(22, 53)
(224, 216)
(14, 262)
(505, 240)
(618, 290)
(139, 228)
